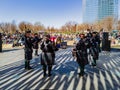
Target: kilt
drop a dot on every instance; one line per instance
(82, 57)
(47, 58)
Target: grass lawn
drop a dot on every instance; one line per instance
(6, 46)
(116, 46)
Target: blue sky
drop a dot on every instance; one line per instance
(119, 9)
(48, 12)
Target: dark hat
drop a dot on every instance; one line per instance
(94, 32)
(81, 34)
(48, 36)
(27, 31)
(88, 29)
(36, 34)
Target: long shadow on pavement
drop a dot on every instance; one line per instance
(64, 75)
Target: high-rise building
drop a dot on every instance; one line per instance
(95, 10)
(90, 9)
(119, 10)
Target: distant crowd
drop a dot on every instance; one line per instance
(17, 38)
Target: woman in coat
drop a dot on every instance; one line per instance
(47, 55)
(81, 49)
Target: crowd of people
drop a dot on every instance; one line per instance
(11, 38)
(86, 48)
(88, 45)
(48, 51)
(16, 39)
(115, 37)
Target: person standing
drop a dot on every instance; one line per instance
(94, 51)
(36, 40)
(88, 37)
(98, 41)
(28, 49)
(77, 38)
(81, 54)
(89, 33)
(47, 55)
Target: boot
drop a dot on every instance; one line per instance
(44, 71)
(49, 70)
(29, 65)
(97, 56)
(36, 52)
(81, 71)
(26, 64)
(94, 62)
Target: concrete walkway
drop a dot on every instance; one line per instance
(106, 76)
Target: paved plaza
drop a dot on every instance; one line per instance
(106, 76)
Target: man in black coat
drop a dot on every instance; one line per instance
(36, 40)
(81, 49)
(89, 33)
(94, 51)
(88, 37)
(47, 55)
(28, 49)
(98, 41)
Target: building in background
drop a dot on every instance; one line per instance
(90, 11)
(119, 9)
(96, 10)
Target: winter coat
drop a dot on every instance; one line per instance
(48, 54)
(82, 52)
(28, 48)
(36, 40)
(94, 51)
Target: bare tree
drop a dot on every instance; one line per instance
(86, 26)
(2, 27)
(108, 23)
(63, 29)
(70, 27)
(5, 27)
(97, 26)
(38, 26)
(118, 27)
(13, 27)
(23, 26)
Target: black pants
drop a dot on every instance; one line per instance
(94, 62)
(45, 69)
(82, 66)
(27, 64)
(99, 48)
(36, 51)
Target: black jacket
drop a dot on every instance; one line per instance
(28, 48)
(47, 46)
(81, 48)
(48, 54)
(36, 40)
